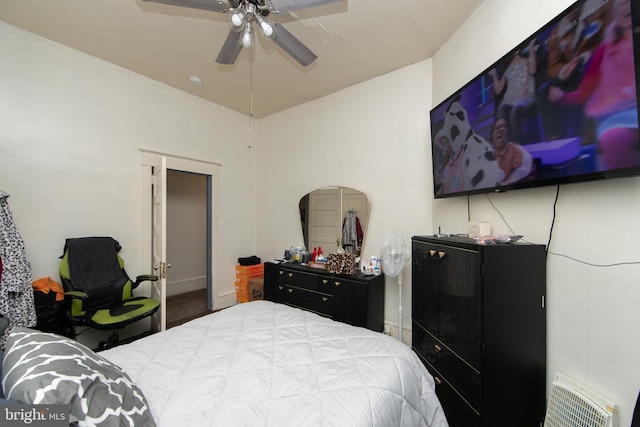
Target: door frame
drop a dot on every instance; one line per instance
(209, 169)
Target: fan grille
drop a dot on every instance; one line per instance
(570, 407)
(393, 254)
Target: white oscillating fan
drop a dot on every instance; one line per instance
(393, 256)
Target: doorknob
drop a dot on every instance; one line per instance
(163, 269)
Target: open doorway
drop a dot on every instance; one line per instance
(188, 220)
(156, 168)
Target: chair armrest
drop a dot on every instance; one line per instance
(144, 278)
(75, 295)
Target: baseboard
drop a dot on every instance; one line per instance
(187, 285)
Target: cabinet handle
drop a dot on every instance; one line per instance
(441, 254)
(437, 348)
(280, 287)
(432, 252)
(325, 299)
(325, 281)
(337, 283)
(290, 290)
(290, 274)
(437, 380)
(281, 272)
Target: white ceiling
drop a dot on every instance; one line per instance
(355, 40)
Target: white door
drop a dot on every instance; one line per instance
(159, 251)
(325, 225)
(154, 224)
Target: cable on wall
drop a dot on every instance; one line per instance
(499, 213)
(553, 220)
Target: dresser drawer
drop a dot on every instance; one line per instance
(356, 299)
(331, 285)
(460, 375)
(310, 300)
(298, 279)
(275, 293)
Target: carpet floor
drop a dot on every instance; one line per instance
(187, 306)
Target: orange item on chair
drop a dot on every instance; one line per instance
(47, 284)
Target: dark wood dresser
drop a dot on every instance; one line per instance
(479, 326)
(354, 299)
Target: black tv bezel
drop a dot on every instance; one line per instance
(576, 178)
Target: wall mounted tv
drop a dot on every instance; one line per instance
(560, 107)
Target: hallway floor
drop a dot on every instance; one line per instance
(187, 306)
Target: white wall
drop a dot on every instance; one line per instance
(371, 137)
(71, 130)
(591, 311)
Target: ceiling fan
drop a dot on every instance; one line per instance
(243, 14)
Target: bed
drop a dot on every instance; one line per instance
(253, 364)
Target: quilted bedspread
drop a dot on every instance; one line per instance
(267, 364)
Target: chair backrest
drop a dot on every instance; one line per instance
(92, 265)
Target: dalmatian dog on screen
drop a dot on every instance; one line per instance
(473, 164)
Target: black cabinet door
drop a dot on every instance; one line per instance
(447, 297)
(271, 282)
(424, 292)
(460, 301)
(353, 301)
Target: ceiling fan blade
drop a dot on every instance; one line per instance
(285, 6)
(212, 5)
(292, 45)
(230, 49)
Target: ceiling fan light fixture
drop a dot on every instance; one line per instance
(237, 18)
(267, 28)
(241, 14)
(247, 38)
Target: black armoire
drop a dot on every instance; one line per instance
(479, 326)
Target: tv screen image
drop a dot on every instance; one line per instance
(560, 107)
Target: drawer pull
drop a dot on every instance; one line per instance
(290, 290)
(281, 272)
(337, 283)
(325, 281)
(432, 252)
(290, 274)
(325, 299)
(280, 287)
(441, 254)
(437, 348)
(437, 380)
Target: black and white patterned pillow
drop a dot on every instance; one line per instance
(43, 368)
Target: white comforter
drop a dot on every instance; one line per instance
(266, 364)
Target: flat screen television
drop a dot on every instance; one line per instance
(560, 107)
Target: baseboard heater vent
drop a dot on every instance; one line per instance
(571, 405)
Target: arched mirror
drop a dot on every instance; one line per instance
(334, 217)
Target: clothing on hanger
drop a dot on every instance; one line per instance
(351, 230)
(16, 293)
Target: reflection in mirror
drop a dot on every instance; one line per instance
(334, 217)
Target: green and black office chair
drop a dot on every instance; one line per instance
(98, 291)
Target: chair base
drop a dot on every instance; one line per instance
(114, 340)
